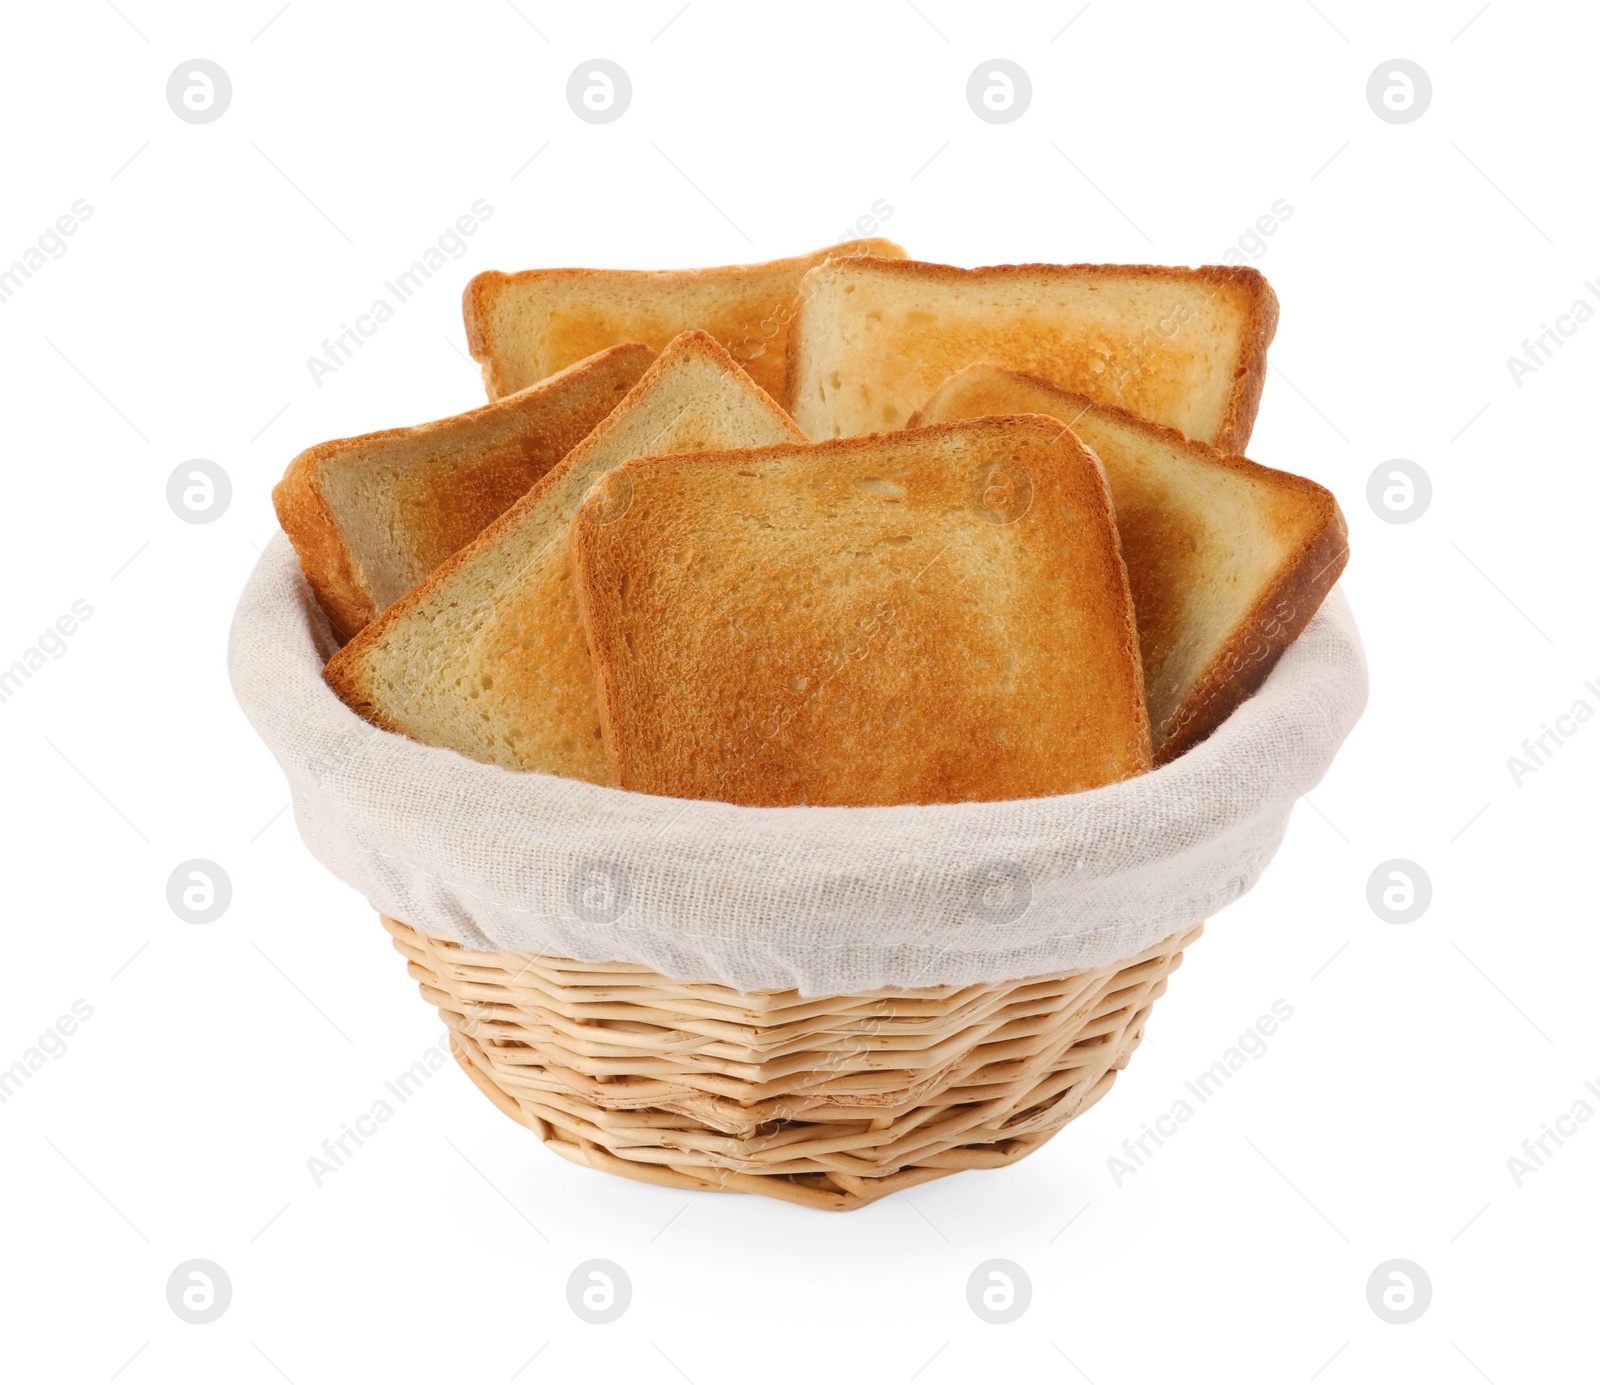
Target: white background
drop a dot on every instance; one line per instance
(1378, 1124)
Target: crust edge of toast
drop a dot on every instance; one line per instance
(1239, 668)
(319, 543)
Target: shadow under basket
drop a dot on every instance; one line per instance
(829, 1102)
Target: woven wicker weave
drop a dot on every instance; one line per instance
(830, 1102)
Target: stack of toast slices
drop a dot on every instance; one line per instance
(997, 541)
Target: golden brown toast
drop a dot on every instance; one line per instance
(371, 516)
(873, 338)
(928, 616)
(522, 327)
(1227, 560)
(487, 656)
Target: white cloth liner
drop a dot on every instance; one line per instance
(823, 900)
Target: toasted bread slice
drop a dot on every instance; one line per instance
(874, 338)
(487, 656)
(1227, 560)
(372, 516)
(921, 617)
(522, 327)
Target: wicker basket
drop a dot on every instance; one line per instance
(830, 1103)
